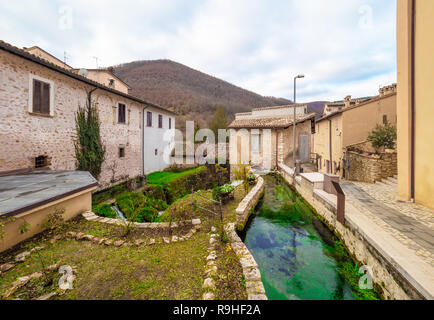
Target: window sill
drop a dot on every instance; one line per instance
(44, 115)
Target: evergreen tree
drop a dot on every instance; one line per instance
(89, 149)
(219, 120)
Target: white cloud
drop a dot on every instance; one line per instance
(343, 47)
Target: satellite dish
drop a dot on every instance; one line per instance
(83, 72)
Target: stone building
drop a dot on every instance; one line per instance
(415, 41)
(264, 137)
(39, 99)
(349, 126)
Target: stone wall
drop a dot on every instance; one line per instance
(25, 135)
(391, 281)
(254, 286)
(371, 168)
(249, 202)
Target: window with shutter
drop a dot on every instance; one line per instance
(121, 113)
(41, 97)
(37, 96)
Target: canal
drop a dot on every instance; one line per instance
(295, 252)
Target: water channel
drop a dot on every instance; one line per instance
(292, 248)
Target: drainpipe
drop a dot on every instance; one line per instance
(412, 103)
(89, 97)
(330, 147)
(143, 140)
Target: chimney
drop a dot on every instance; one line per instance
(388, 90)
(347, 101)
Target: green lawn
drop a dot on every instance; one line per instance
(162, 177)
(162, 271)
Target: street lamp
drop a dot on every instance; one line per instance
(300, 76)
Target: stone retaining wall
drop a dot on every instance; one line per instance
(371, 168)
(249, 202)
(384, 271)
(254, 286)
(90, 216)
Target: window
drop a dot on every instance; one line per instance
(384, 119)
(256, 142)
(41, 97)
(156, 152)
(111, 82)
(170, 123)
(41, 162)
(160, 121)
(149, 119)
(121, 152)
(121, 113)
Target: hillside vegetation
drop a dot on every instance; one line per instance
(191, 93)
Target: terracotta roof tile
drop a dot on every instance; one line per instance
(268, 123)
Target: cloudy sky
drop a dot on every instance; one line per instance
(342, 46)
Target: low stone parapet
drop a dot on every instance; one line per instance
(249, 202)
(196, 223)
(254, 286)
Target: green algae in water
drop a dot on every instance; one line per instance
(294, 260)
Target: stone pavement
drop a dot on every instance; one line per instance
(409, 223)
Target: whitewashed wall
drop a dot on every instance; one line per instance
(157, 140)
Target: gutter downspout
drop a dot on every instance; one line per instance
(412, 103)
(89, 97)
(143, 140)
(330, 147)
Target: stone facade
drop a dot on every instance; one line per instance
(25, 135)
(371, 168)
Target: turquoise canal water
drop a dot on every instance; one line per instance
(291, 248)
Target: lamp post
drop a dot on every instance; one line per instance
(294, 124)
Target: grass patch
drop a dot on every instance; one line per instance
(163, 177)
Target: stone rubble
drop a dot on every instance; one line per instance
(211, 268)
(196, 224)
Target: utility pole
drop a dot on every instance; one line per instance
(96, 62)
(294, 123)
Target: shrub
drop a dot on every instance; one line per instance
(223, 193)
(383, 136)
(139, 207)
(105, 210)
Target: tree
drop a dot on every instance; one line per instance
(383, 136)
(219, 120)
(89, 149)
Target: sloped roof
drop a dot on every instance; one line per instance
(28, 56)
(268, 123)
(26, 191)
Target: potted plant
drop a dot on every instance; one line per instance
(251, 179)
(223, 193)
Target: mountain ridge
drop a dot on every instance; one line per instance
(193, 94)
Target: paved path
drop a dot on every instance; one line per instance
(410, 227)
